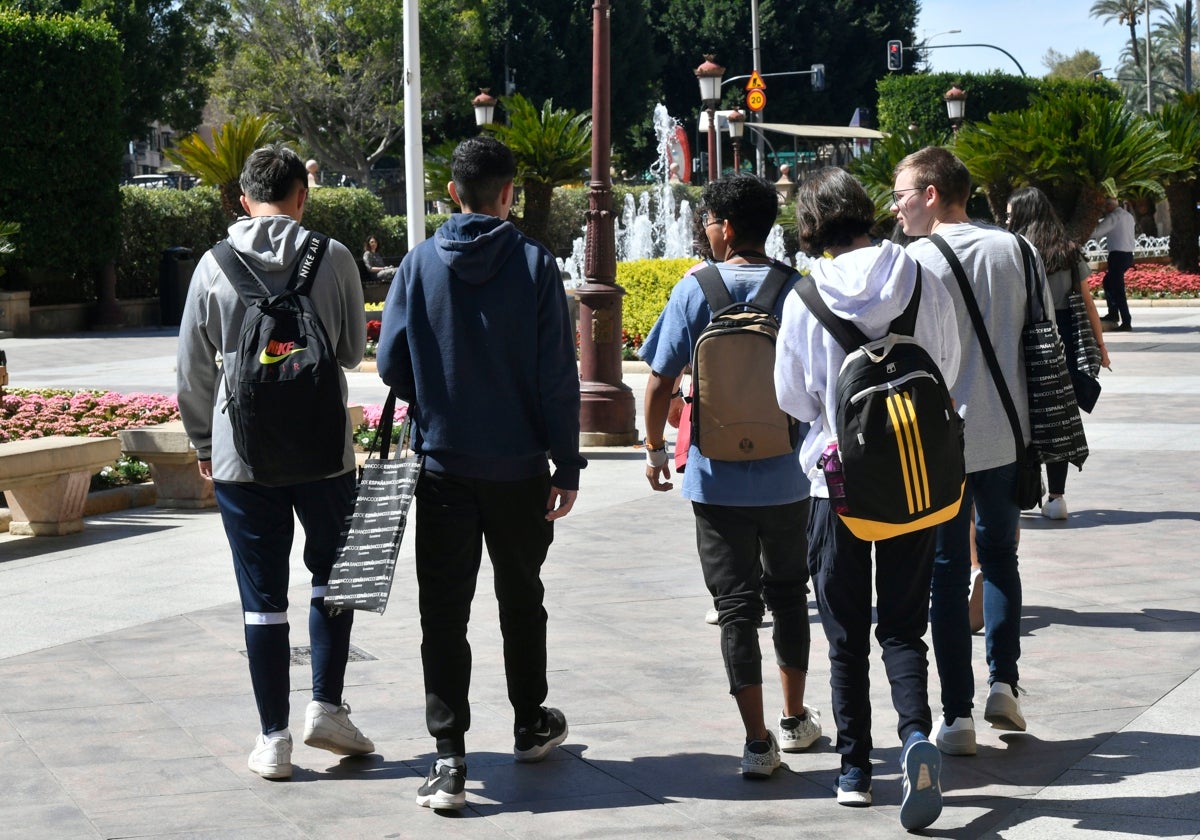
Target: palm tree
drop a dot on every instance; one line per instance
(551, 147)
(220, 165)
(1077, 147)
(1125, 12)
(1177, 33)
(1180, 122)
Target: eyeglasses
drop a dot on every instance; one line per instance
(896, 193)
(707, 219)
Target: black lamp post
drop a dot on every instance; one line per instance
(737, 125)
(709, 75)
(956, 106)
(485, 107)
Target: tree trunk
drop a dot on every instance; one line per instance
(536, 219)
(1185, 251)
(1086, 212)
(231, 191)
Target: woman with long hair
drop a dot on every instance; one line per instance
(1031, 215)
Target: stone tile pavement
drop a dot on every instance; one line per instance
(126, 711)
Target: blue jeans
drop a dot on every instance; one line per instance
(990, 494)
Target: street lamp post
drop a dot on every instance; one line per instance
(709, 75)
(956, 106)
(606, 411)
(737, 124)
(928, 38)
(485, 107)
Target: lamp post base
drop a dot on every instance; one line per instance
(606, 405)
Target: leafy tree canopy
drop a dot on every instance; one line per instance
(169, 49)
(1081, 65)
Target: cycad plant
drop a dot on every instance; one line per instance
(1077, 147)
(220, 165)
(1180, 122)
(551, 147)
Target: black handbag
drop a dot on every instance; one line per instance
(362, 574)
(1028, 488)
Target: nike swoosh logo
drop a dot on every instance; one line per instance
(267, 359)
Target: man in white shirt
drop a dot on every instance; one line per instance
(1118, 226)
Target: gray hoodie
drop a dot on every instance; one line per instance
(212, 320)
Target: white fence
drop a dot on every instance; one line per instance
(1145, 246)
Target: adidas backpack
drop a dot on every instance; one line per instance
(284, 398)
(898, 436)
(735, 411)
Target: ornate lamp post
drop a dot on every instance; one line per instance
(485, 107)
(709, 75)
(737, 125)
(606, 403)
(956, 106)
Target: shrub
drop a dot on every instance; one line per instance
(348, 214)
(647, 285)
(61, 145)
(154, 220)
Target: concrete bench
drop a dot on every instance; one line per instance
(172, 459)
(46, 481)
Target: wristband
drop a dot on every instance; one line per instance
(656, 457)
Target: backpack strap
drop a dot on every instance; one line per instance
(844, 332)
(251, 288)
(768, 293)
(714, 288)
(985, 341)
(906, 321)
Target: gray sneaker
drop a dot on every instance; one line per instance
(329, 727)
(760, 758)
(1003, 710)
(796, 734)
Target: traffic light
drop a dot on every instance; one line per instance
(895, 55)
(818, 77)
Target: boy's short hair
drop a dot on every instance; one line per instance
(936, 166)
(832, 210)
(481, 166)
(749, 202)
(272, 173)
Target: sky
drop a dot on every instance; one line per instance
(1024, 28)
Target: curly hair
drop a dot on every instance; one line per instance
(749, 202)
(832, 209)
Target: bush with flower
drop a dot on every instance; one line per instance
(630, 344)
(366, 436)
(1152, 280)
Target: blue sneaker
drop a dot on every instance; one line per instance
(854, 788)
(921, 763)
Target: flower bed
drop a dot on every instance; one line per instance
(1150, 280)
(367, 434)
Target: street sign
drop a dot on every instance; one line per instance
(756, 82)
(756, 100)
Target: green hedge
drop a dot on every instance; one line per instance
(917, 99)
(60, 152)
(647, 285)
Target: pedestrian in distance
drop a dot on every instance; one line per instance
(258, 513)
(929, 199)
(1031, 214)
(477, 338)
(750, 516)
(1119, 228)
(871, 286)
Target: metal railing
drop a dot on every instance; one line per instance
(1145, 246)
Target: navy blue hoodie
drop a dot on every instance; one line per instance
(477, 338)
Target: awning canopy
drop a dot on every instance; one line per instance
(819, 132)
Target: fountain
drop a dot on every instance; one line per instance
(653, 226)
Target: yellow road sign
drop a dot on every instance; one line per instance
(756, 82)
(756, 99)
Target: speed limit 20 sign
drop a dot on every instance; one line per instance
(756, 99)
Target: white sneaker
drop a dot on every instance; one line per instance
(956, 738)
(328, 727)
(712, 616)
(760, 765)
(271, 758)
(1055, 508)
(1003, 710)
(801, 734)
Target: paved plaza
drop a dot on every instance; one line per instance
(126, 710)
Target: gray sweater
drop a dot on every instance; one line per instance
(992, 261)
(212, 319)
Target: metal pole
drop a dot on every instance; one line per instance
(606, 411)
(414, 156)
(1148, 90)
(760, 158)
(712, 142)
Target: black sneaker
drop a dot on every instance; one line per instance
(1111, 317)
(534, 743)
(444, 788)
